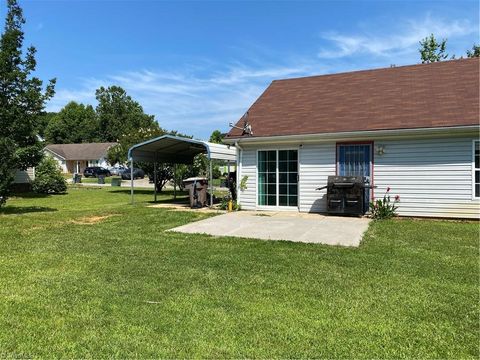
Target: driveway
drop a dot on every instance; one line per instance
(299, 227)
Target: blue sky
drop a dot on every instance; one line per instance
(199, 65)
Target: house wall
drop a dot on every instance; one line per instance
(316, 163)
(432, 176)
(70, 166)
(61, 163)
(24, 176)
(98, 162)
(249, 168)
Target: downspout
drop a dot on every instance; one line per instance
(239, 168)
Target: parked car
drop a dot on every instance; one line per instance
(137, 174)
(94, 171)
(116, 170)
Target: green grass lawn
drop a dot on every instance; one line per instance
(92, 180)
(87, 275)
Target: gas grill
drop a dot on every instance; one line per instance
(347, 195)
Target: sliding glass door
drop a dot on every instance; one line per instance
(278, 178)
(267, 178)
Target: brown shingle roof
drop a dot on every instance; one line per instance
(415, 96)
(86, 151)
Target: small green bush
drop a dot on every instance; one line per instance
(384, 208)
(49, 178)
(224, 204)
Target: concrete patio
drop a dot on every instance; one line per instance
(298, 227)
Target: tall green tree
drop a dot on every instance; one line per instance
(119, 152)
(431, 50)
(75, 123)
(42, 122)
(22, 100)
(216, 137)
(118, 114)
(475, 52)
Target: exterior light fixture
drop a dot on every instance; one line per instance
(380, 149)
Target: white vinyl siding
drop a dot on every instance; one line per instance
(24, 176)
(433, 177)
(60, 161)
(316, 163)
(476, 169)
(249, 168)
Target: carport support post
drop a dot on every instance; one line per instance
(211, 184)
(155, 181)
(174, 181)
(131, 178)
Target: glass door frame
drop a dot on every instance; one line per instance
(372, 161)
(278, 207)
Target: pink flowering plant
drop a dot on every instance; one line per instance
(384, 208)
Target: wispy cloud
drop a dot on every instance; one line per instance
(186, 100)
(394, 42)
(201, 95)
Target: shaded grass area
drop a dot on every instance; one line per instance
(96, 277)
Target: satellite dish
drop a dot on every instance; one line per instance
(247, 128)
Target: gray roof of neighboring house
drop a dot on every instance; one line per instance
(85, 151)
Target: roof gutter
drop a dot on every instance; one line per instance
(351, 135)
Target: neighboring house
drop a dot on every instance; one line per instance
(225, 168)
(412, 128)
(74, 158)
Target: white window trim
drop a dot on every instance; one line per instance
(474, 169)
(278, 207)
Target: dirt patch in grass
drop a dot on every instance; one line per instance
(92, 220)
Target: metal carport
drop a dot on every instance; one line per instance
(178, 150)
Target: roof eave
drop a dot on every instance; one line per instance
(54, 153)
(352, 135)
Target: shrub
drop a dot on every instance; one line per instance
(243, 183)
(216, 173)
(49, 178)
(224, 204)
(384, 208)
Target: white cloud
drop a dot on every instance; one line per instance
(203, 95)
(396, 41)
(188, 101)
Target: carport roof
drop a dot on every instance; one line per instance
(179, 150)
